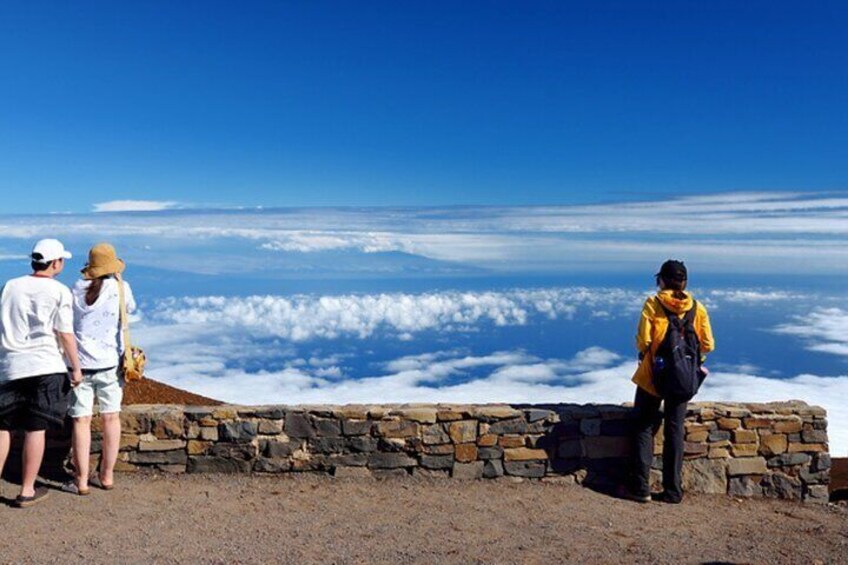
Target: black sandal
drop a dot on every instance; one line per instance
(22, 501)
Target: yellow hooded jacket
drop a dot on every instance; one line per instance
(652, 328)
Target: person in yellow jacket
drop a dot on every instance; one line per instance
(653, 325)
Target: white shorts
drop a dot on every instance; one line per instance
(105, 386)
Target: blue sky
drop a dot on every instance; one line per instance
(438, 103)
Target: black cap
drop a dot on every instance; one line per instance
(673, 270)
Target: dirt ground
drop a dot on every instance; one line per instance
(310, 519)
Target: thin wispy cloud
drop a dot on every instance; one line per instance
(134, 206)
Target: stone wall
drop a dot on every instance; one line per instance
(774, 450)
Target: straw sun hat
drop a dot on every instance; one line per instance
(102, 261)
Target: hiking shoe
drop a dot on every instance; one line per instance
(627, 494)
(664, 496)
(22, 501)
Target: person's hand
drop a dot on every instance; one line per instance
(76, 377)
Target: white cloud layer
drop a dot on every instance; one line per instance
(824, 330)
(302, 318)
(134, 206)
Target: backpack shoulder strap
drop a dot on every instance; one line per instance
(689, 317)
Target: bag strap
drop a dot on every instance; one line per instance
(125, 324)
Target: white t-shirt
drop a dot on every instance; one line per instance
(32, 310)
(97, 327)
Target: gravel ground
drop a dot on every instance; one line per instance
(308, 519)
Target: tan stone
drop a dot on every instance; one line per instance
(795, 447)
(729, 423)
(224, 413)
(464, 431)
(487, 440)
(449, 415)
(774, 444)
(698, 436)
(788, 426)
(747, 466)
(193, 430)
(695, 427)
(132, 421)
(351, 413)
(718, 453)
(495, 412)
(720, 443)
(209, 434)
(744, 449)
(708, 414)
(443, 449)
(207, 421)
(466, 452)
(128, 442)
(744, 436)
(198, 447)
(757, 422)
(511, 441)
(270, 427)
(398, 428)
(524, 454)
(161, 445)
(420, 415)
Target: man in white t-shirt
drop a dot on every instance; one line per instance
(37, 346)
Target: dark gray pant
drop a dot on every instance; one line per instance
(647, 417)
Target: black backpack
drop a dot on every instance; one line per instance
(677, 362)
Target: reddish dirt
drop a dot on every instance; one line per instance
(148, 391)
(151, 518)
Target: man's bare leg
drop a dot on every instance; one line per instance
(33, 455)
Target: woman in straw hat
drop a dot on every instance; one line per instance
(98, 334)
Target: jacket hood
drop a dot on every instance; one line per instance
(676, 305)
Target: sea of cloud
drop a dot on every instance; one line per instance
(262, 349)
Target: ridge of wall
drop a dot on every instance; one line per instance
(765, 449)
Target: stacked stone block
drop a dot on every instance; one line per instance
(774, 450)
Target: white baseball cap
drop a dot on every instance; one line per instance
(47, 250)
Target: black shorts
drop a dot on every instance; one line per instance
(34, 403)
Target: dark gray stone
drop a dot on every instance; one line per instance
(536, 414)
(237, 431)
(363, 444)
(391, 460)
(437, 461)
(217, 465)
(570, 449)
(349, 460)
(590, 426)
(435, 435)
(241, 451)
(327, 445)
(327, 427)
(719, 435)
(158, 457)
(779, 485)
(814, 436)
(493, 468)
(279, 449)
(265, 465)
(814, 478)
(794, 438)
(495, 452)
(299, 426)
(820, 424)
(356, 427)
(788, 460)
(821, 462)
(616, 428)
(744, 487)
(513, 426)
(195, 413)
(531, 469)
(268, 413)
